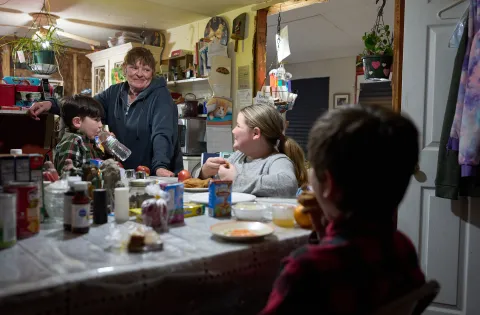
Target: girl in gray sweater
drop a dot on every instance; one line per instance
(266, 162)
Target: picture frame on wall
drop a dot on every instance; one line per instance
(341, 99)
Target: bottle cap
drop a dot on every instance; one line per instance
(80, 186)
(16, 151)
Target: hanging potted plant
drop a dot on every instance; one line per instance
(377, 56)
(40, 50)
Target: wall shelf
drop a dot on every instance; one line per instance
(174, 83)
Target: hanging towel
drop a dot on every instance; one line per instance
(465, 132)
(447, 181)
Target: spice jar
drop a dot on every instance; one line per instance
(137, 192)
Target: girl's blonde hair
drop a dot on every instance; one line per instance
(272, 126)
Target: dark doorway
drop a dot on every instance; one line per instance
(311, 103)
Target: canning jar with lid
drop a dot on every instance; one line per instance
(137, 192)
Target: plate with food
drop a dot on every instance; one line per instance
(241, 230)
(196, 184)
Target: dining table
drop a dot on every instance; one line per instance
(58, 272)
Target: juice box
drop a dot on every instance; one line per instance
(175, 202)
(220, 198)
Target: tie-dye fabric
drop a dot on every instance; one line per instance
(465, 133)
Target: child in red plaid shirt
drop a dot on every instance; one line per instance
(362, 160)
(82, 116)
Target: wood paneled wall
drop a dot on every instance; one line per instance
(81, 75)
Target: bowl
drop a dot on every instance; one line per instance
(249, 211)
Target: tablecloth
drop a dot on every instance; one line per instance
(58, 272)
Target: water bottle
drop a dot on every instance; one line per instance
(114, 146)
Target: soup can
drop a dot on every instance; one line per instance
(8, 220)
(28, 208)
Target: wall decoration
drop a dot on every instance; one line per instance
(217, 27)
(341, 99)
(238, 30)
(219, 110)
(117, 76)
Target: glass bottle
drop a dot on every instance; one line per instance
(80, 208)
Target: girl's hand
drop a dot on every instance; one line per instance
(211, 167)
(227, 172)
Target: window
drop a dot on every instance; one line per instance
(311, 103)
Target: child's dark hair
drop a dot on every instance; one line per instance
(370, 152)
(80, 106)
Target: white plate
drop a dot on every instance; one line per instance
(195, 190)
(260, 229)
(236, 198)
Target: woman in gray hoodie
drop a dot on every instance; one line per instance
(141, 114)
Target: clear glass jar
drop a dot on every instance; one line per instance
(54, 199)
(137, 192)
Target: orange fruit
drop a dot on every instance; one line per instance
(303, 219)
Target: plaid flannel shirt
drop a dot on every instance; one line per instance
(358, 266)
(78, 148)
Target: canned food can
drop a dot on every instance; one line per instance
(22, 168)
(8, 220)
(7, 169)
(28, 210)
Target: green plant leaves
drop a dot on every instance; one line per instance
(378, 41)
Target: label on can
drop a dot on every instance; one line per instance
(36, 164)
(28, 211)
(8, 220)
(7, 169)
(22, 168)
(80, 215)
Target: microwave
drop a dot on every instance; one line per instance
(191, 132)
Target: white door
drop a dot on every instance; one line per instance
(446, 233)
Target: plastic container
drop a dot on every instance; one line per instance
(114, 146)
(249, 211)
(283, 215)
(54, 199)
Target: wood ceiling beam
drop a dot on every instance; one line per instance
(275, 6)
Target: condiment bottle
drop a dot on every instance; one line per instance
(121, 208)
(67, 203)
(80, 208)
(100, 211)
